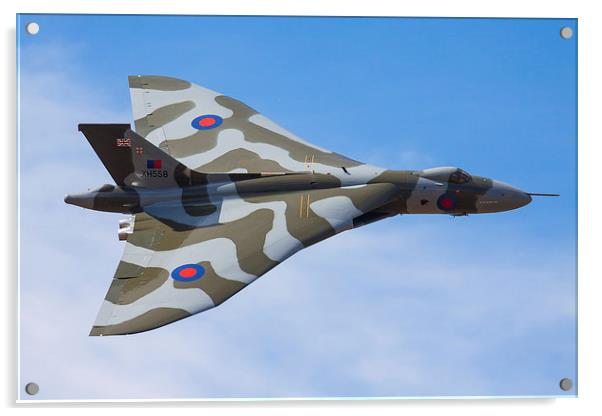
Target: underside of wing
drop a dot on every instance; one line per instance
(169, 272)
(166, 274)
(210, 132)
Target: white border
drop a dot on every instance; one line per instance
(589, 34)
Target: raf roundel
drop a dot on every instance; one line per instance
(188, 273)
(206, 122)
(446, 202)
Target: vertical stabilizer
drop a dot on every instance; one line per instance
(132, 160)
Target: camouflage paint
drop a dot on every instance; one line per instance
(237, 198)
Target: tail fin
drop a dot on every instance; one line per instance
(132, 160)
(104, 140)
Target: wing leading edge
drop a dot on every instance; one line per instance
(210, 132)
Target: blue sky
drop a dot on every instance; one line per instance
(411, 306)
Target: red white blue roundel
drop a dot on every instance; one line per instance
(447, 202)
(188, 273)
(206, 122)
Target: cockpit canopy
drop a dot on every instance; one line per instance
(460, 176)
(446, 174)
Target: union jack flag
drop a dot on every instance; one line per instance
(125, 142)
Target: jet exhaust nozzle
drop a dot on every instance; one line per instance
(126, 227)
(85, 200)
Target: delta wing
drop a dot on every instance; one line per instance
(210, 132)
(168, 272)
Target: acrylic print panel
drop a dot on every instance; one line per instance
(214, 195)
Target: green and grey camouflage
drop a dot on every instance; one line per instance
(218, 195)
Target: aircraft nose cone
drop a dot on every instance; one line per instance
(503, 197)
(522, 198)
(509, 196)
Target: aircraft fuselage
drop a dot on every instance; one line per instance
(428, 191)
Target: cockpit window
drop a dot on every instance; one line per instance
(449, 174)
(460, 177)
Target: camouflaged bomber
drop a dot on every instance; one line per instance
(219, 195)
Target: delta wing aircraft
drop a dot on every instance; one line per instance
(218, 195)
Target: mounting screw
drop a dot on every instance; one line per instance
(566, 384)
(32, 388)
(566, 32)
(32, 28)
